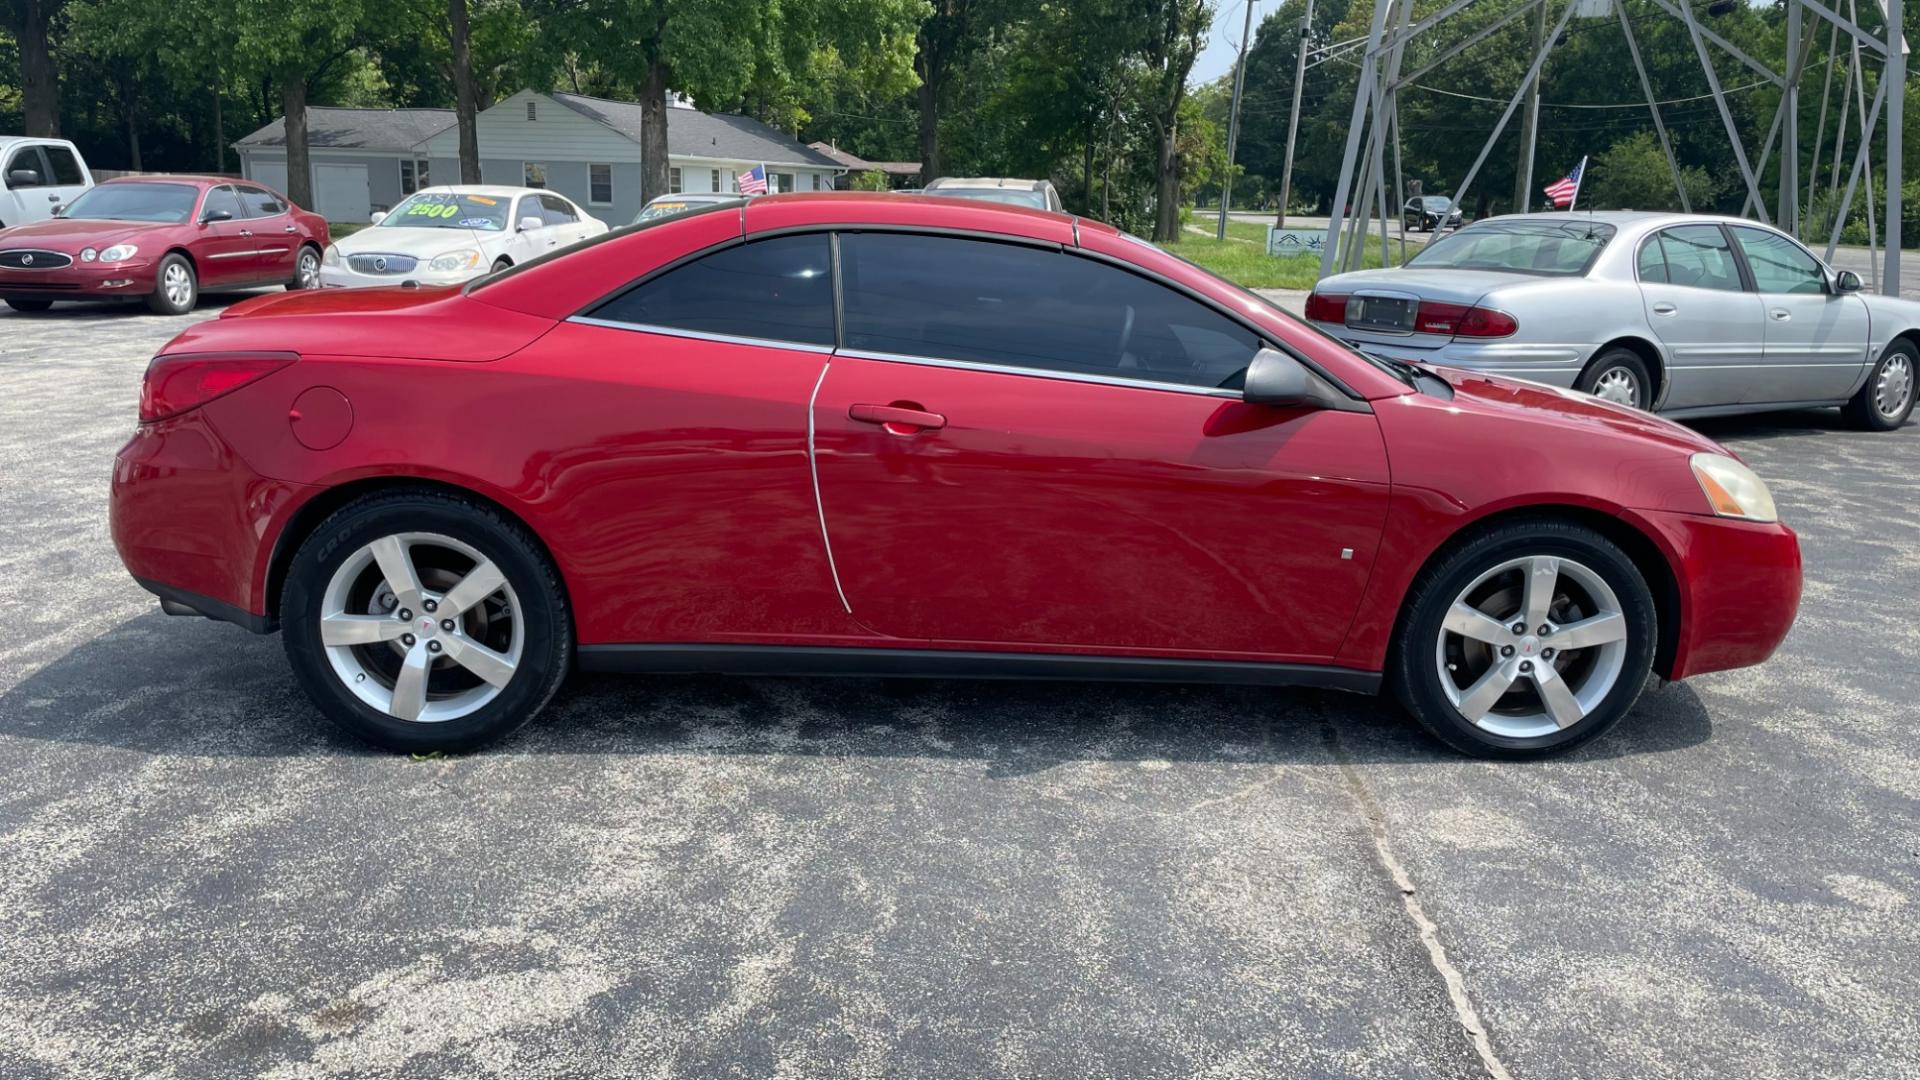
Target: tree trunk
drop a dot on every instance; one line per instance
(293, 105)
(653, 134)
(129, 109)
(929, 129)
(1166, 186)
(219, 136)
(39, 78)
(466, 102)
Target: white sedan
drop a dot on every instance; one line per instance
(446, 235)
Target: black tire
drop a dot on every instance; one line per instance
(301, 280)
(158, 301)
(500, 264)
(29, 306)
(1610, 364)
(547, 625)
(1864, 410)
(1414, 669)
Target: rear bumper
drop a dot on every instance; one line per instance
(1738, 583)
(81, 281)
(194, 524)
(1553, 363)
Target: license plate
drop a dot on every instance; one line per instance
(1380, 313)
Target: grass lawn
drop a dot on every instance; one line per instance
(343, 229)
(1245, 263)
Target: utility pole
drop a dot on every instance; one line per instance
(1293, 115)
(1530, 124)
(1233, 118)
(1896, 84)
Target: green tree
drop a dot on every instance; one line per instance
(1174, 31)
(296, 45)
(1632, 175)
(32, 22)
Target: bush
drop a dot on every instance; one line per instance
(868, 180)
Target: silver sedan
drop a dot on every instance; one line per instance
(1686, 314)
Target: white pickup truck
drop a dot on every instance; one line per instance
(38, 177)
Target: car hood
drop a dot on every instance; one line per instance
(1449, 286)
(419, 243)
(71, 234)
(1479, 392)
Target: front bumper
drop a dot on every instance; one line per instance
(342, 276)
(1738, 584)
(80, 281)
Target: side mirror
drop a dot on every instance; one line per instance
(1846, 281)
(216, 215)
(378, 217)
(528, 224)
(23, 178)
(60, 210)
(1274, 378)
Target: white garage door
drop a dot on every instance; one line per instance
(340, 192)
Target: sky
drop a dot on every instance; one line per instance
(1223, 41)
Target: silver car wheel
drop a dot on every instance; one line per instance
(1619, 386)
(307, 270)
(1532, 647)
(177, 284)
(1894, 387)
(422, 627)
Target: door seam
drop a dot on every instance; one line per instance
(819, 506)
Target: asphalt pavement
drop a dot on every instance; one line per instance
(713, 877)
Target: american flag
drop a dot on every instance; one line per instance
(1566, 189)
(754, 181)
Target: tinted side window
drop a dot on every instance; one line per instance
(780, 289)
(1778, 264)
(995, 303)
(558, 211)
(261, 202)
(1653, 262)
(529, 208)
(66, 170)
(221, 198)
(1697, 255)
(27, 158)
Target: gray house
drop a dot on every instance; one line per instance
(587, 149)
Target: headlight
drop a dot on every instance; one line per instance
(88, 254)
(118, 253)
(464, 259)
(1732, 490)
(332, 255)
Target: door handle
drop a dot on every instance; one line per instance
(1665, 309)
(53, 198)
(246, 232)
(1780, 314)
(903, 419)
(290, 229)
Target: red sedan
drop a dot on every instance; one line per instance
(878, 435)
(162, 239)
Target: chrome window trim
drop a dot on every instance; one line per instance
(1041, 373)
(702, 335)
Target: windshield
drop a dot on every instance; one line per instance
(999, 195)
(1436, 202)
(172, 203)
(442, 210)
(1561, 247)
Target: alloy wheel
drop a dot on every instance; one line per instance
(1619, 386)
(1894, 386)
(307, 270)
(422, 627)
(1531, 646)
(177, 284)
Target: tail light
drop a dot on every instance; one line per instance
(175, 384)
(1459, 320)
(1325, 307)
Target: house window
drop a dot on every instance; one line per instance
(673, 181)
(783, 181)
(733, 180)
(530, 112)
(534, 173)
(600, 185)
(413, 176)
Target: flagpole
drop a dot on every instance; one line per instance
(1577, 183)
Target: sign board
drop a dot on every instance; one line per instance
(1295, 241)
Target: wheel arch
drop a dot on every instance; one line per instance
(1649, 354)
(1642, 548)
(310, 514)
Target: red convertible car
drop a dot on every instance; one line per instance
(881, 435)
(161, 239)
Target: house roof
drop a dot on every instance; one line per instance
(691, 133)
(860, 164)
(391, 130)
